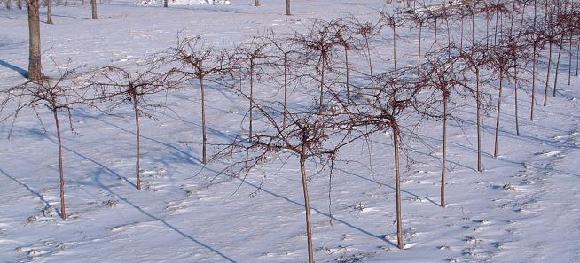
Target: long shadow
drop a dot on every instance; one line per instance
(383, 184)
(287, 199)
(120, 177)
(366, 232)
(104, 187)
(34, 192)
(18, 69)
(188, 156)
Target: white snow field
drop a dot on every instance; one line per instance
(524, 207)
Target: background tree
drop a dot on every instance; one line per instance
(198, 61)
(318, 45)
(34, 52)
(251, 57)
(114, 86)
(49, 12)
(94, 9)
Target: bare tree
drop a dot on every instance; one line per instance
(252, 57)
(345, 37)
(283, 54)
(475, 58)
(365, 31)
(115, 86)
(199, 61)
(392, 21)
(308, 135)
(59, 96)
(319, 44)
(381, 107)
(438, 74)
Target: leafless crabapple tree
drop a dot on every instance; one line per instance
(318, 50)
(309, 135)
(380, 107)
(59, 96)
(114, 86)
(251, 58)
(198, 61)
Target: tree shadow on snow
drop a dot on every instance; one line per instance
(21, 71)
(177, 230)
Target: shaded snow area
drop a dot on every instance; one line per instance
(524, 206)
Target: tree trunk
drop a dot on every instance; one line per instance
(94, 9)
(138, 135)
(473, 28)
(516, 97)
(165, 3)
(306, 198)
(548, 74)
(487, 21)
(435, 37)
(288, 8)
(34, 54)
(285, 122)
(461, 35)
(444, 164)
(478, 117)
(60, 166)
(368, 48)
(577, 56)
(347, 72)
(535, 62)
(322, 71)
(251, 98)
(400, 241)
(570, 59)
(557, 67)
(49, 12)
(496, 149)
(496, 28)
(203, 122)
(420, 29)
(395, 45)
(534, 70)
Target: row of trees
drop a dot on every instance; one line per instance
(353, 101)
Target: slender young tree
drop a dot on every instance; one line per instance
(59, 96)
(199, 61)
(345, 37)
(284, 54)
(319, 48)
(252, 56)
(114, 86)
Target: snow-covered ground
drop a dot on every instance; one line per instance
(523, 208)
